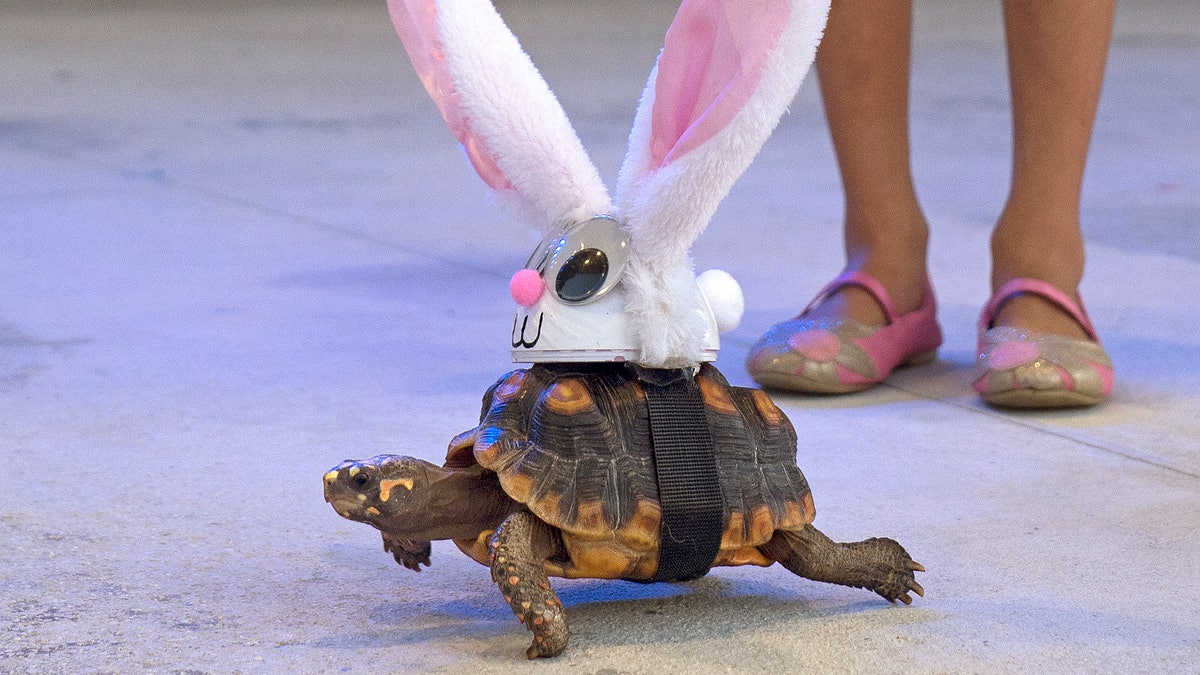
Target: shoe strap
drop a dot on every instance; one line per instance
(1020, 285)
(863, 280)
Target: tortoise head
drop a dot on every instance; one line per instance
(380, 491)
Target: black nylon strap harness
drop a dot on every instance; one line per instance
(693, 510)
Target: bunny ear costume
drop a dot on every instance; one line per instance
(613, 279)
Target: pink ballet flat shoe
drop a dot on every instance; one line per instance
(1022, 369)
(828, 356)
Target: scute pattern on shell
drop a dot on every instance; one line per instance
(755, 445)
(571, 442)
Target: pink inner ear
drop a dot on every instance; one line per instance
(714, 55)
(416, 23)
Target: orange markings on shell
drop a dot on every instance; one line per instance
(629, 552)
(591, 518)
(519, 486)
(592, 523)
(808, 512)
(767, 408)
(478, 446)
(762, 524)
(541, 429)
(735, 532)
(568, 397)
(643, 527)
(760, 527)
(606, 559)
(510, 387)
(746, 555)
(548, 508)
(716, 397)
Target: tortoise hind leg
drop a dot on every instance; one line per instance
(877, 564)
(518, 553)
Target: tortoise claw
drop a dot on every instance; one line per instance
(409, 553)
(913, 587)
(915, 566)
(543, 648)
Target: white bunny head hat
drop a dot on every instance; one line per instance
(612, 280)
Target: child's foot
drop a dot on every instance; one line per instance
(828, 350)
(1031, 243)
(1038, 315)
(905, 288)
(1056, 363)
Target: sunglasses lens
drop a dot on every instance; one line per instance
(582, 275)
(584, 260)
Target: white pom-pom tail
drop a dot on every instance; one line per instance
(724, 296)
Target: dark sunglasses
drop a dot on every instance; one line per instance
(584, 260)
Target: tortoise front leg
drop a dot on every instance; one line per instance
(877, 564)
(411, 553)
(518, 553)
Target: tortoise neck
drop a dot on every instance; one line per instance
(464, 502)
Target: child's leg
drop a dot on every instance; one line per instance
(1056, 54)
(847, 343)
(863, 64)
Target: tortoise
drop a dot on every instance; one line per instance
(558, 480)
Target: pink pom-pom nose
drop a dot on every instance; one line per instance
(526, 287)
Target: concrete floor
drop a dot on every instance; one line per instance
(237, 246)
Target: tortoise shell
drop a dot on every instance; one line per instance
(572, 444)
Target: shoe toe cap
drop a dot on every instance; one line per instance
(1008, 355)
(818, 345)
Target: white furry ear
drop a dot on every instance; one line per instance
(496, 103)
(726, 74)
(724, 296)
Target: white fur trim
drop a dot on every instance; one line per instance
(518, 119)
(664, 309)
(667, 209)
(724, 296)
